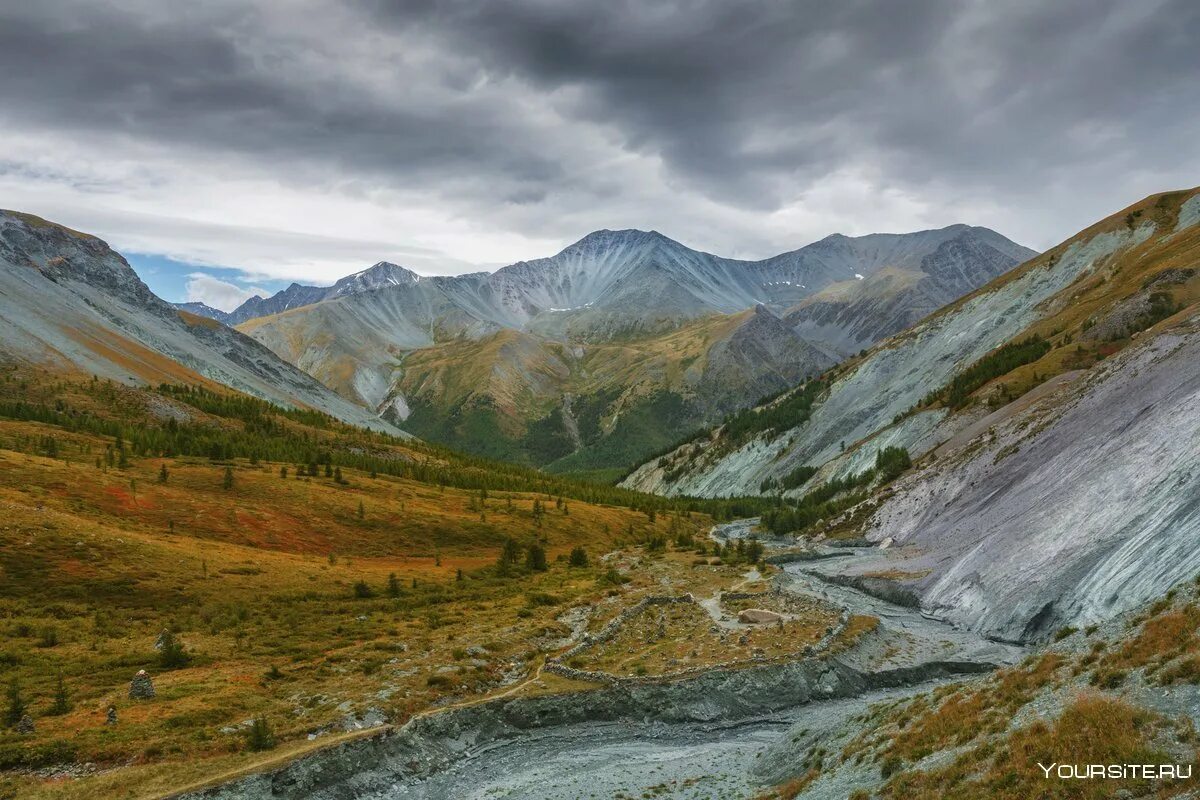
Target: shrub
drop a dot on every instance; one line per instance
(579, 557)
(1064, 632)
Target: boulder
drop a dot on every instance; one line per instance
(758, 616)
(141, 687)
(25, 724)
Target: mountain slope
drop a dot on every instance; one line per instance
(879, 400)
(616, 298)
(850, 315)
(70, 302)
(588, 406)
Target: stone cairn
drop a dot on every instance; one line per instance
(141, 687)
(25, 724)
(111, 717)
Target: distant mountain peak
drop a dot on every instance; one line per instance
(379, 276)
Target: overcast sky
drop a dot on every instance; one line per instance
(232, 146)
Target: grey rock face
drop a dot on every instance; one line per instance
(383, 274)
(853, 315)
(1090, 512)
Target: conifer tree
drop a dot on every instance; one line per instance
(535, 558)
(62, 702)
(227, 482)
(16, 704)
(260, 736)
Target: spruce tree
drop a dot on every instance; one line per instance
(260, 736)
(535, 558)
(228, 481)
(172, 655)
(16, 704)
(62, 702)
(393, 586)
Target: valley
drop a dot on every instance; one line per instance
(894, 578)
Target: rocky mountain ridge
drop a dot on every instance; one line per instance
(588, 314)
(68, 301)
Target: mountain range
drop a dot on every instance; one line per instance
(616, 346)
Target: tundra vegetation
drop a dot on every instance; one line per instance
(280, 575)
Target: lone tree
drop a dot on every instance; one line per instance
(228, 481)
(362, 590)
(162, 474)
(393, 586)
(62, 701)
(260, 737)
(171, 654)
(16, 705)
(579, 557)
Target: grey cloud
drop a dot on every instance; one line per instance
(488, 106)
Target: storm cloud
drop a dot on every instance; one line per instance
(451, 134)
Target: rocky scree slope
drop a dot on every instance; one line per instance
(1083, 506)
(68, 301)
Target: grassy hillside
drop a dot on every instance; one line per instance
(594, 408)
(316, 575)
